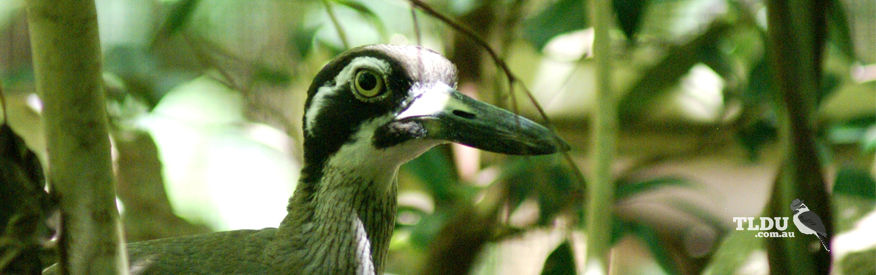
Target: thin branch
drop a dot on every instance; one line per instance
(331, 13)
(483, 43)
(416, 26)
(602, 189)
(512, 79)
(206, 61)
(3, 103)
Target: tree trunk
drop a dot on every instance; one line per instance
(67, 68)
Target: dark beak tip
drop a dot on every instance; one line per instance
(561, 145)
(556, 145)
(542, 147)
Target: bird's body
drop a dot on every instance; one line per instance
(809, 223)
(805, 221)
(368, 111)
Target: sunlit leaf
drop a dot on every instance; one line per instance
(668, 71)
(868, 142)
(561, 17)
(367, 13)
(561, 261)
(860, 130)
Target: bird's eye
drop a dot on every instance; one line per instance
(368, 84)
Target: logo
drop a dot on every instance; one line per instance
(807, 222)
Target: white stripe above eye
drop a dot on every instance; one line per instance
(343, 78)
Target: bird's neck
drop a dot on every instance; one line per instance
(340, 223)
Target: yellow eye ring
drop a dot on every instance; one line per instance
(368, 84)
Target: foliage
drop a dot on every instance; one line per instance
(685, 156)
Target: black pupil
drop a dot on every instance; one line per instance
(367, 81)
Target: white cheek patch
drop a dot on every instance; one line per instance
(320, 99)
(317, 104)
(380, 165)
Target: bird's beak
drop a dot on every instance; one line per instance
(446, 114)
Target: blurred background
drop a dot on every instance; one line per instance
(206, 98)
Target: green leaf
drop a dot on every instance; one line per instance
(704, 215)
(436, 171)
(718, 61)
(855, 182)
(178, 18)
(543, 178)
(425, 231)
(754, 136)
(858, 262)
(759, 84)
(561, 261)
(302, 39)
(829, 84)
(626, 190)
(556, 192)
(733, 252)
(368, 14)
(523, 178)
(668, 71)
(561, 17)
(657, 248)
(629, 15)
(868, 141)
(838, 29)
(619, 229)
(279, 77)
(860, 130)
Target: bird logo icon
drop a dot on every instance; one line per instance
(808, 222)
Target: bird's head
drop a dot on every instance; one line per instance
(382, 105)
(798, 206)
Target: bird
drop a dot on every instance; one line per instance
(808, 222)
(368, 111)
